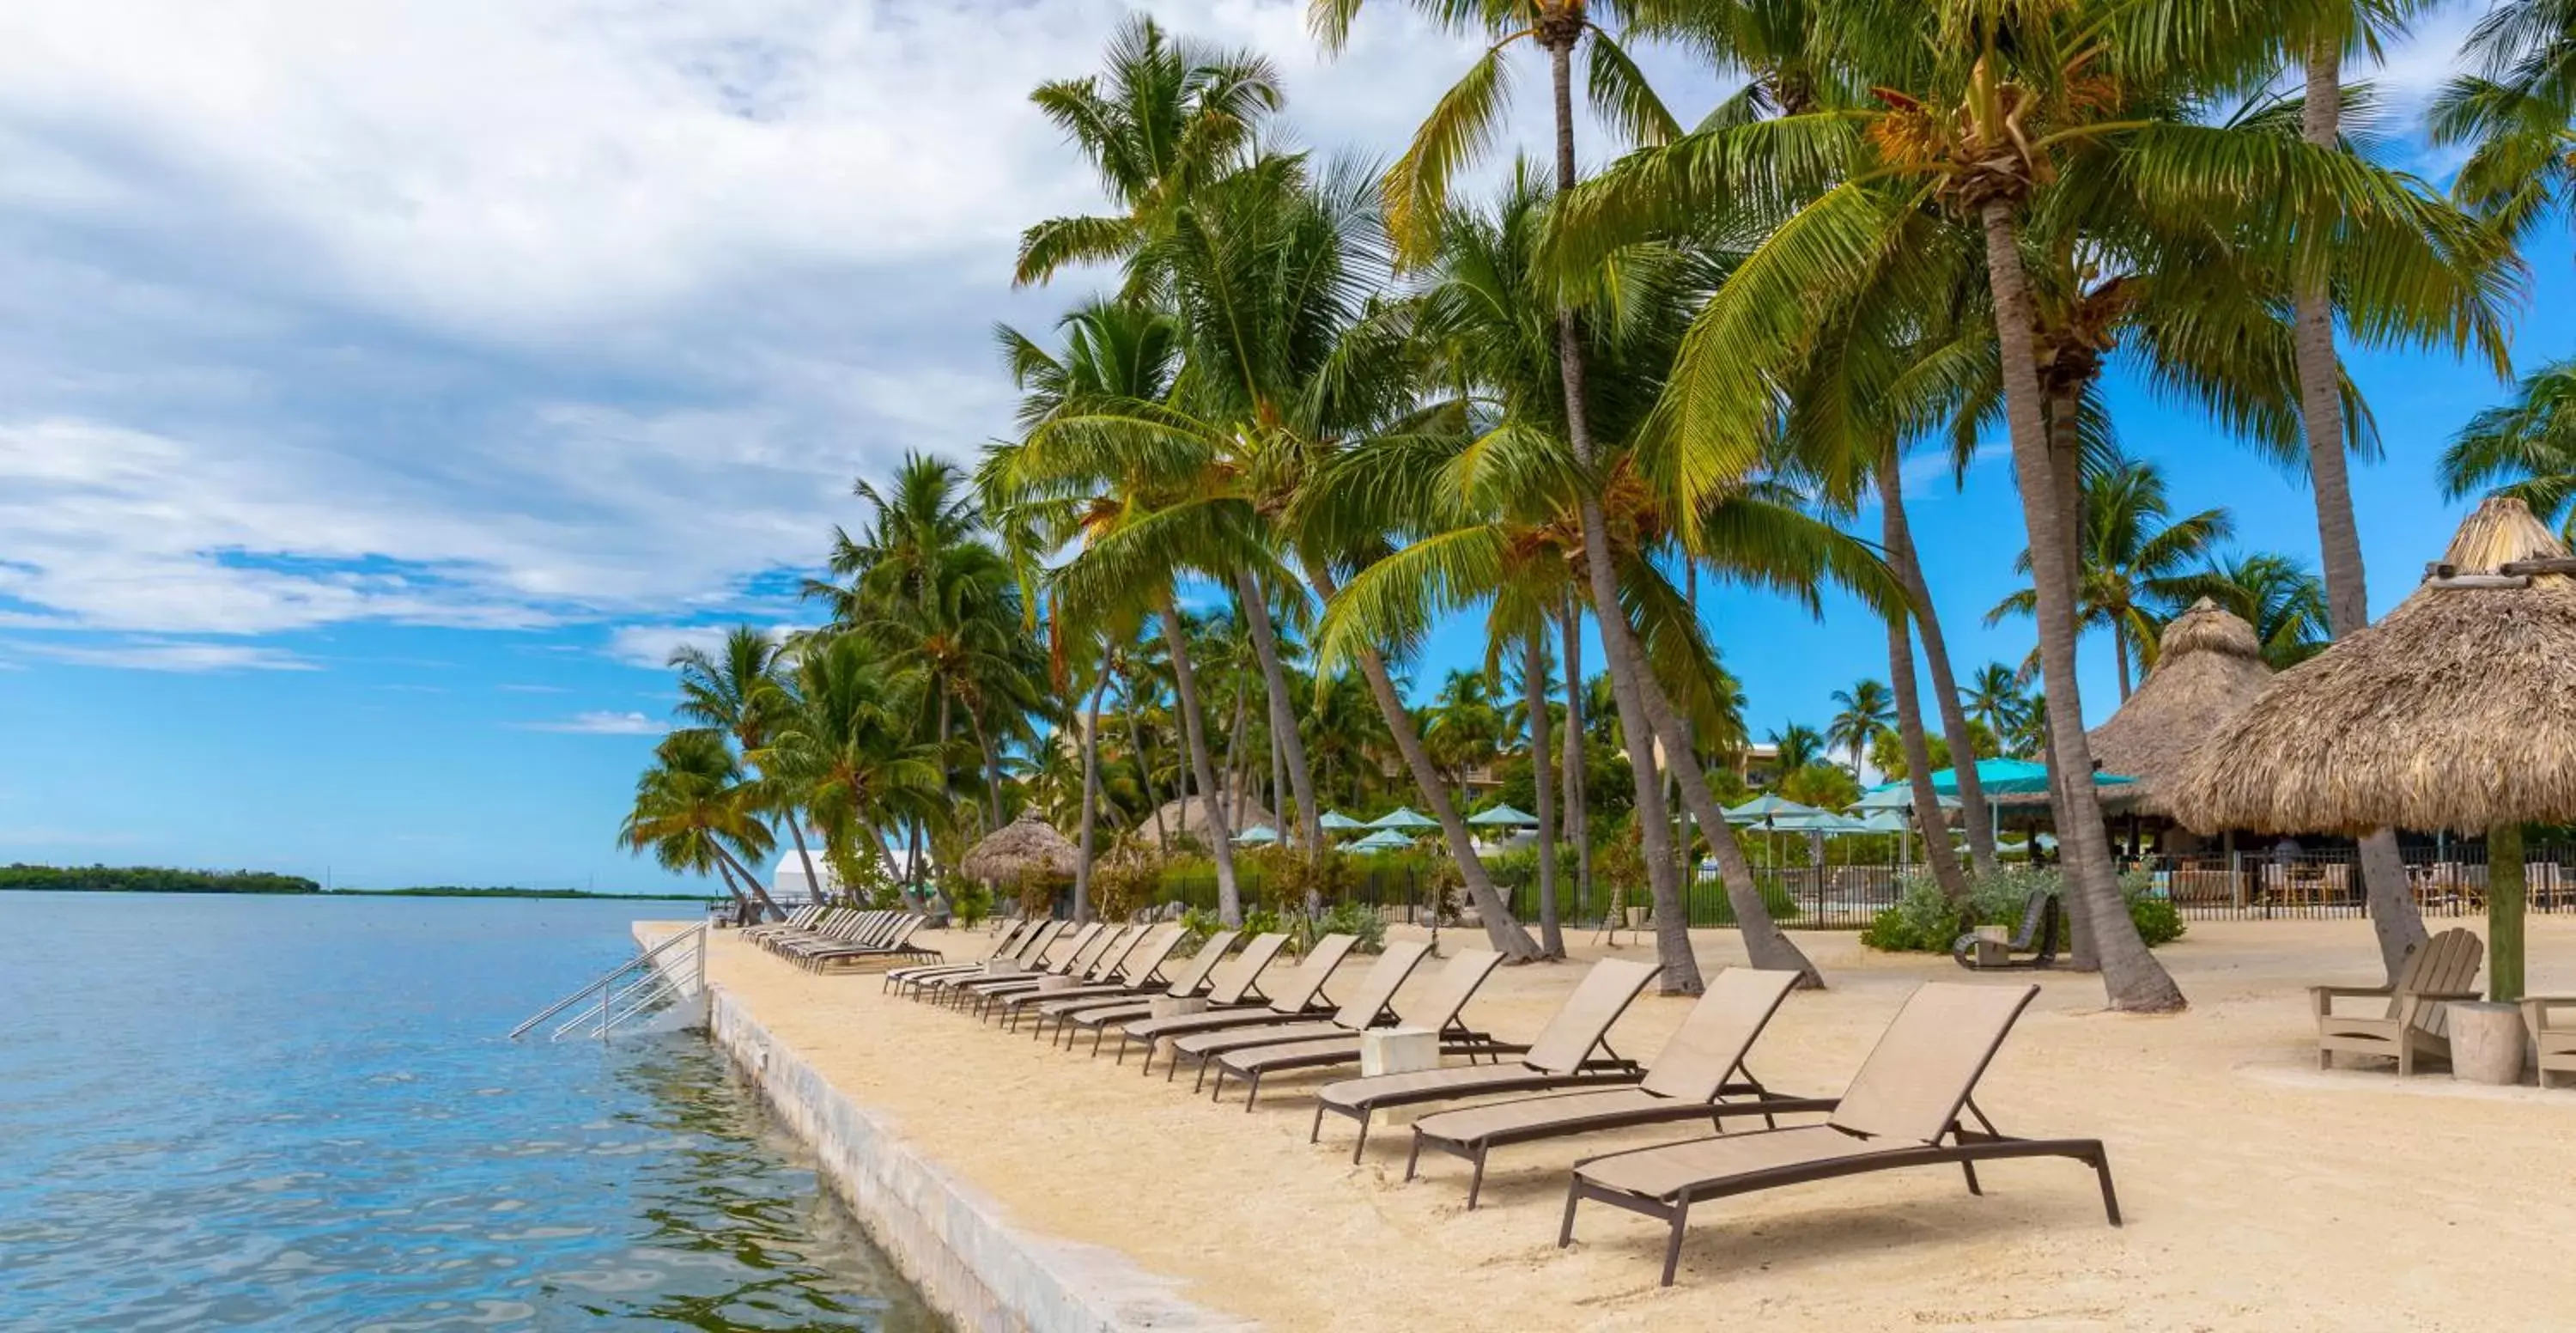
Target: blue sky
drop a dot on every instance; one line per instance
(386, 387)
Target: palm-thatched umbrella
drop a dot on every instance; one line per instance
(2209, 667)
(1028, 848)
(1188, 815)
(2457, 711)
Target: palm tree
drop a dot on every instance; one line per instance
(2525, 448)
(2279, 597)
(740, 690)
(1796, 746)
(1995, 697)
(1163, 119)
(2515, 109)
(1867, 708)
(1465, 730)
(2132, 556)
(695, 813)
(850, 752)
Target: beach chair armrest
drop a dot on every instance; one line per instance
(2536, 1008)
(2322, 998)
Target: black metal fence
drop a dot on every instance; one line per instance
(2445, 881)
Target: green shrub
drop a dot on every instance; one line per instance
(970, 904)
(1923, 921)
(1261, 921)
(1354, 919)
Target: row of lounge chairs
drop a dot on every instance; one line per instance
(1910, 1104)
(826, 939)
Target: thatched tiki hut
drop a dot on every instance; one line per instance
(1021, 855)
(2457, 711)
(2209, 666)
(1188, 817)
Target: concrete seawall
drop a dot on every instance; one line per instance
(952, 1241)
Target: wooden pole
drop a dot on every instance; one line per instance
(2504, 913)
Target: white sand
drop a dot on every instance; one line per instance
(2258, 1193)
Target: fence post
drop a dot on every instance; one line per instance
(2236, 877)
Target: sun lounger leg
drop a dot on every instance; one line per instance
(1673, 1243)
(1476, 1182)
(1362, 1145)
(1413, 1159)
(1216, 1094)
(1573, 1196)
(1251, 1092)
(2110, 1200)
(1969, 1169)
(1315, 1132)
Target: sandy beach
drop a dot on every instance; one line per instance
(2259, 1193)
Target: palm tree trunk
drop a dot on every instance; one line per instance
(1578, 827)
(2131, 975)
(2120, 657)
(1233, 756)
(1501, 932)
(2066, 480)
(813, 883)
(1551, 936)
(1283, 722)
(1909, 712)
(1229, 901)
(741, 904)
(1145, 773)
(1936, 656)
(1090, 797)
(1654, 823)
(749, 879)
(2393, 914)
(992, 769)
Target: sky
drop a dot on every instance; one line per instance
(387, 386)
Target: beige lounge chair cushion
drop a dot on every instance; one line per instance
(1929, 1059)
(1697, 1060)
(1475, 1122)
(1660, 1173)
(1460, 1079)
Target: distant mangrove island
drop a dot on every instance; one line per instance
(162, 879)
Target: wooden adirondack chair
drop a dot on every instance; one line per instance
(2412, 1022)
(2553, 1033)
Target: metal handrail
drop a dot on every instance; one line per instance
(606, 996)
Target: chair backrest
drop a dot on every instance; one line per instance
(1087, 944)
(1010, 938)
(1698, 1058)
(2448, 962)
(904, 927)
(1299, 988)
(1604, 993)
(1147, 956)
(1234, 980)
(1929, 1060)
(1034, 943)
(1203, 964)
(1043, 943)
(1378, 985)
(2034, 914)
(1104, 964)
(1435, 1003)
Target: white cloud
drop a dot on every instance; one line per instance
(170, 655)
(651, 646)
(604, 723)
(507, 313)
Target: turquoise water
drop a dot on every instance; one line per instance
(301, 1113)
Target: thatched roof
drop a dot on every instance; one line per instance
(1026, 845)
(2209, 666)
(1189, 815)
(2457, 711)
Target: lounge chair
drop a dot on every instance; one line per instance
(1371, 1004)
(895, 946)
(1433, 1007)
(1902, 1109)
(1700, 1067)
(1137, 970)
(1300, 996)
(1234, 986)
(1007, 946)
(2552, 1040)
(864, 930)
(2041, 924)
(831, 923)
(928, 983)
(1071, 955)
(1562, 1057)
(1081, 1000)
(1103, 964)
(2412, 1022)
(800, 919)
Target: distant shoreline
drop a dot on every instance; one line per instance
(154, 879)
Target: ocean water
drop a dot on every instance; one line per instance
(303, 1114)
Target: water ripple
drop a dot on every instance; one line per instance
(297, 1114)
